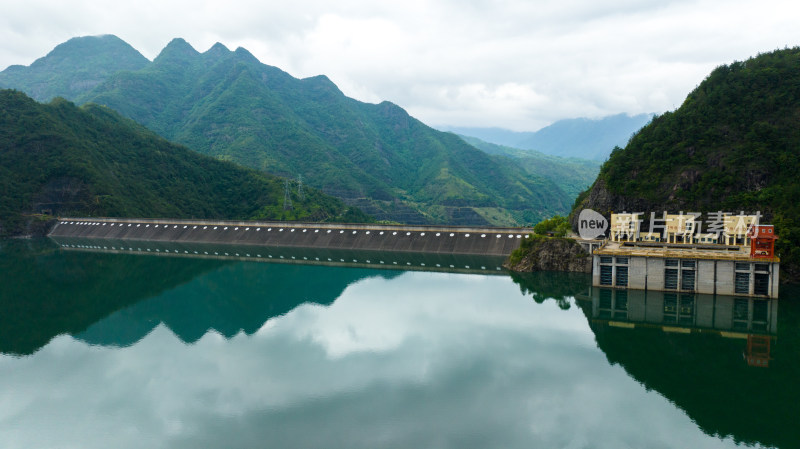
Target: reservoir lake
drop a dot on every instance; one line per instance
(159, 346)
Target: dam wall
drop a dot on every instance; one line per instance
(385, 238)
(406, 261)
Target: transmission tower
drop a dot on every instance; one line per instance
(287, 197)
(300, 193)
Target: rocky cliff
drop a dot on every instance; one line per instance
(540, 253)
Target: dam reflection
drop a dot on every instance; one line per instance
(109, 292)
(753, 320)
(460, 263)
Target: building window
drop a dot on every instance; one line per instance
(671, 262)
(606, 259)
(622, 260)
(761, 284)
(622, 276)
(687, 264)
(762, 267)
(605, 274)
(742, 283)
(742, 266)
(671, 278)
(687, 280)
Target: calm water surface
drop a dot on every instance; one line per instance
(102, 350)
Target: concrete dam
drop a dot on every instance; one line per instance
(331, 236)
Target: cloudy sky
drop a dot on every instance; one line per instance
(518, 64)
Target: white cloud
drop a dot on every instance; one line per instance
(510, 63)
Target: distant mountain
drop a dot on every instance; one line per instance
(64, 160)
(581, 137)
(228, 105)
(73, 67)
(572, 175)
(733, 145)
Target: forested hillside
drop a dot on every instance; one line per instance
(733, 145)
(58, 159)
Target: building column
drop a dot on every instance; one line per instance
(774, 271)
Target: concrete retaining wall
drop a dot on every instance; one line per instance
(637, 276)
(417, 239)
(706, 276)
(655, 274)
(725, 277)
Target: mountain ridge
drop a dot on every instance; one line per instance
(230, 106)
(99, 57)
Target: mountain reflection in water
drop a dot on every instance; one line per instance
(729, 362)
(286, 354)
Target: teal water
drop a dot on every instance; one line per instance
(102, 349)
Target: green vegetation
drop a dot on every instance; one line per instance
(58, 159)
(74, 67)
(734, 145)
(526, 246)
(555, 227)
(558, 226)
(541, 253)
(228, 105)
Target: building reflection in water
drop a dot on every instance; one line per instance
(754, 320)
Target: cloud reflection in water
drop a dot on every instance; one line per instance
(420, 360)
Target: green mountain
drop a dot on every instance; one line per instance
(733, 145)
(579, 138)
(228, 105)
(572, 175)
(73, 67)
(58, 159)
